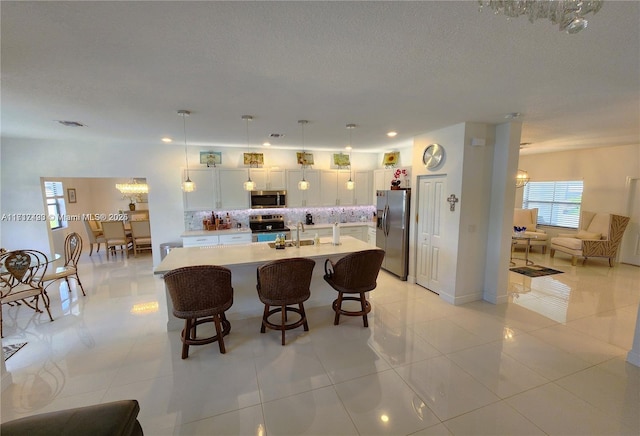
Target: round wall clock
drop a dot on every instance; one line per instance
(432, 155)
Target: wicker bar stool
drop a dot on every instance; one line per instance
(356, 273)
(201, 294)
(282, 283)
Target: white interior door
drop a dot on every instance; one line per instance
(430, 200)
(630, 247)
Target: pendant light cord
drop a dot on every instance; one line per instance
(184, 127)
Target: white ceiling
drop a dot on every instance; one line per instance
(125, 68)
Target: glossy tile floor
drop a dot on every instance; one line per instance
(551, 361)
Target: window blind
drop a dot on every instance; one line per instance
(558, 202)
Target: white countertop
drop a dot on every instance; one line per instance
(330, 225)
(255, 253)
(190, 233)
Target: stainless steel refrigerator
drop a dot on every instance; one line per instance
(392, 232)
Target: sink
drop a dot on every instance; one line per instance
(287, 244)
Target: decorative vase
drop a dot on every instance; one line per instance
(132, 206)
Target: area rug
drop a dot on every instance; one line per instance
(10, 350)
(535, 271)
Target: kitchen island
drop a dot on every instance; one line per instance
(243, 261)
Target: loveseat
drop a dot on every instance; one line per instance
(528, 219)
(117, 418)
(599, 235)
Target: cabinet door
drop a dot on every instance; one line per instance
(329, 188)
(344, 195)
(295, 197)
(312, 195)
(232, 193)
(277, 179)
(261, 178)
(204, 197)
(362, 191)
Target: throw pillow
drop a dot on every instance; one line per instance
(583, 234)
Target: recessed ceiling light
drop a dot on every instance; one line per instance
(513, 115)
(392, 134)
(166, 139)
(348, 148)
(266, 144)
(71, 123)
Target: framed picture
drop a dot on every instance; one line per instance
(211, 158)
(253, 159)
(71, 194)
(341, 160)
(391, 158)
(304, 158)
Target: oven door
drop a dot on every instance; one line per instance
(270, 236)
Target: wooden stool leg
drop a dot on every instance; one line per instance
(186, 334)
(338, 308)
(264, 318)
(216, 320)
(284, 321)
(304, 316)
(363, 304)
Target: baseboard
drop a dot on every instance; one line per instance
(633, 357)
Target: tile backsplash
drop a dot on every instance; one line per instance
(321, 215)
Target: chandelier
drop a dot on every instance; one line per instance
(568, 14)
(132, 188)
(522, 178)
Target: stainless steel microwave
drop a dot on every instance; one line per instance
(268, 199)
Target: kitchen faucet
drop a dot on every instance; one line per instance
(298, 233)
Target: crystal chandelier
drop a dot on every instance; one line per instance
(187, 185)
(568, 14)
(303, 184)
(249, 185)
(133, 188)
(522, 178)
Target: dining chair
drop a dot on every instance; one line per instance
(115, 236)
(355, 273)
(141, 235)
(72, 251)
(94, 234)
(282, 283)
(200, 294)
(21, 273)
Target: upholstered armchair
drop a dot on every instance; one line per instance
(599, 235)
(528, 218)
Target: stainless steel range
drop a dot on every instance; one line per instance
(266, 227)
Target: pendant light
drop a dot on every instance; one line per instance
(249, 185)
(350, 185)
(303, 185)
(187, 185)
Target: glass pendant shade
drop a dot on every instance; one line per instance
(249, 185)
(350, 185)
(303, 185)
(188, 185)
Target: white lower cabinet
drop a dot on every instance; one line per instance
(200, 241)
(240, 238)
(371, 232)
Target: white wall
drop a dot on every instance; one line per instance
(25, 161)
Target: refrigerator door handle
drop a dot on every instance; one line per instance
(386, 220)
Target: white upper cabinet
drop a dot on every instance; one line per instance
(205, 196)
(362, 190)
(217, 188)
(268, 179)
(298, 198)
(334, 188)
(232, 194)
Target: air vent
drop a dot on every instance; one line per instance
(276, 135)
(71, 123)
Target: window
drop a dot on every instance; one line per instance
(55, 204)
(558, 203)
